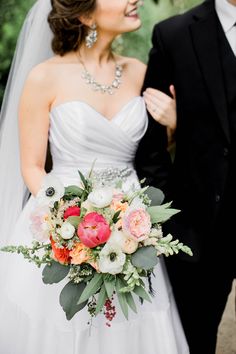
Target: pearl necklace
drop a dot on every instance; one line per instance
(96, 86)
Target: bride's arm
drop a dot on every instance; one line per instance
(34, 126)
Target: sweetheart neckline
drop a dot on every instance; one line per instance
(93, 109)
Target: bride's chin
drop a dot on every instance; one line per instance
(134, 25)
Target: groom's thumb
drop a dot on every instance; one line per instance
(172, 91)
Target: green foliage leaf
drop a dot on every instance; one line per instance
(141, 292)
(83, 180)
(130, 302)
(145, 258)
(110, 284)
(122, 297)
(161, 213)
(101, 299)
(156, 195)
(69, 298)
(116, 216)
(54, 272)
(73, 191)
(92, 287)
(74, 220)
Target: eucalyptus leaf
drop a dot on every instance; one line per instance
(102, 297)
(130, 302)
(74, 220)
(69, 298)
(110, 286)
(145, 258)
(54, 272)
(156, 195)
(122, 298)
(92, 287)
(161, 213)
(141, 292)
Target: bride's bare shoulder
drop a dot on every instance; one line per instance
(135, 68)
(44, 78)
(46, 71)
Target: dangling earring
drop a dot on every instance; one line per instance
(92, 36)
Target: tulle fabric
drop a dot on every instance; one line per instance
(32, 321)
(33, 47)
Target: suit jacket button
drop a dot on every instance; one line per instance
(217, 198)
(226, 151)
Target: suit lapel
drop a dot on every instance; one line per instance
(205, 42)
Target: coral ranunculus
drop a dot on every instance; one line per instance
(62, 255)
(94, 230)
(72, 211)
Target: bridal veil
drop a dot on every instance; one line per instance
(33, 47)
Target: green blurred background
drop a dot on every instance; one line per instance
(137, 44)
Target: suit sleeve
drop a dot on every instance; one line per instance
(153, 161)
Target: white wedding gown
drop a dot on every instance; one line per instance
(31, 319)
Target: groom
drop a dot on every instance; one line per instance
(196, 53)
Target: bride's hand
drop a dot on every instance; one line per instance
(162, 107)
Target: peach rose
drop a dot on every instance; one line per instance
(117, 205)
(82, 254)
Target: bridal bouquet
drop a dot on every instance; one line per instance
(104, 240)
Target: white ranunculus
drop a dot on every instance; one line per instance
(117, 237)
(87, 205)
(127, 244)
(101, 197)
(51, 191)
(67, 230)
(111, 259)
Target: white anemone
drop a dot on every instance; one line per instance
(51, 191)
(111, 259)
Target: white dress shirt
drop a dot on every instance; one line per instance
(227, 16)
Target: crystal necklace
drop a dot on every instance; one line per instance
(96, 86)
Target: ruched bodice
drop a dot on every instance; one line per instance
(79, 135)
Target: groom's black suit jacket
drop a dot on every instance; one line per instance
(186, 53)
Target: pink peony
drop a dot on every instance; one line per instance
(137, 224)
(72, 211)
(93, 230)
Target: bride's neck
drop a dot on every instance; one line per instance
(100, 53)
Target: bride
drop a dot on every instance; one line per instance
(85, 100)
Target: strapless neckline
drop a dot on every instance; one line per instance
(94, 110)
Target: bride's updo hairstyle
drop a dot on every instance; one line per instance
(69, 33)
